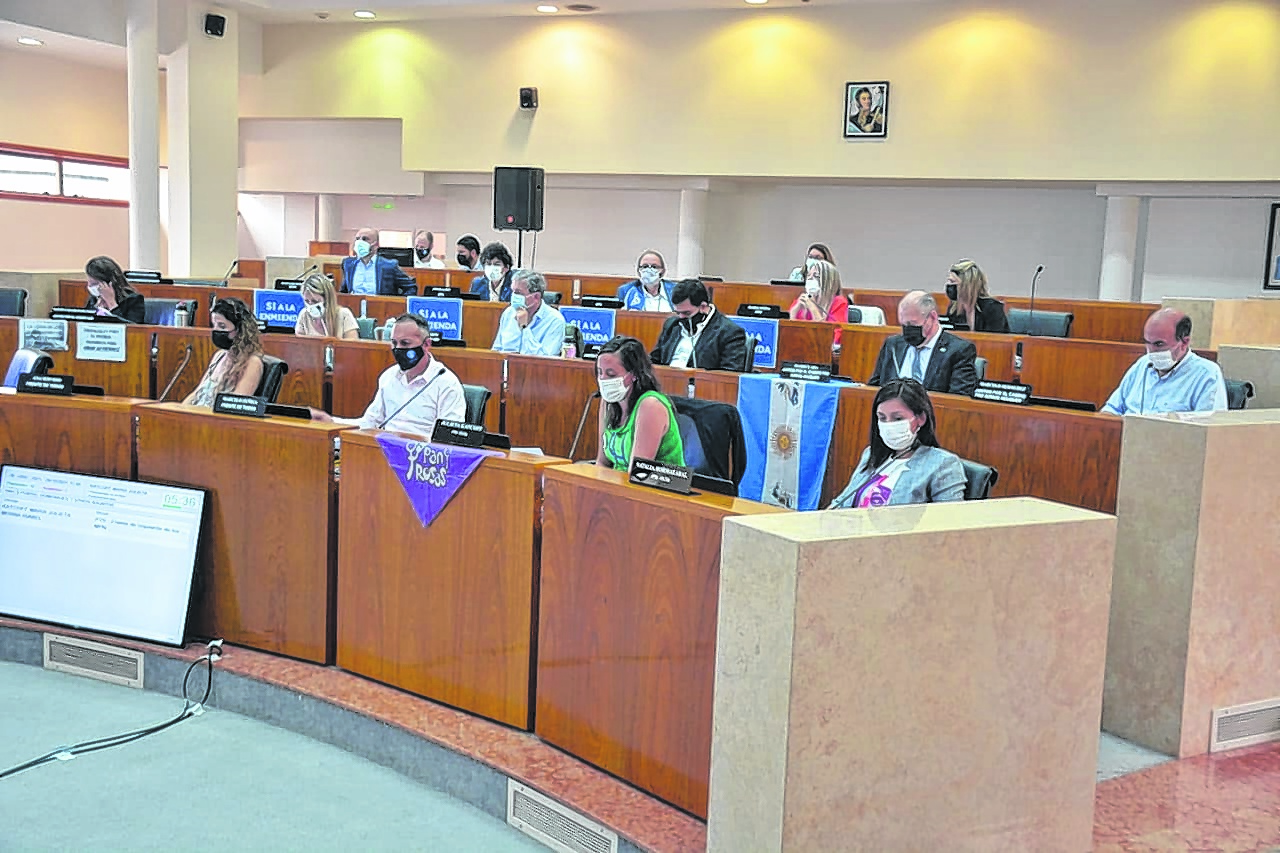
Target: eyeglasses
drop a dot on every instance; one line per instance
(650, 267)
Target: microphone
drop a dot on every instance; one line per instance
(230, 270)
(186, 359)
(441, 372)
(581, 423)
(1031, 311)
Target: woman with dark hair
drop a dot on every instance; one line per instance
(237, 366)
(636, 418)
(971, 304)
(110, 293)
(903, 464)
(816, 252)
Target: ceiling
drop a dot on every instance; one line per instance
(279, 11)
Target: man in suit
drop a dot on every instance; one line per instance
(938, 360)
(367, 273)
(698, 335)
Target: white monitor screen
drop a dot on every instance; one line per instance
(96, 553)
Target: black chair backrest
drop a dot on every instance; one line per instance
(573, 335)
(477, 399)
(855, 314)
(551, 297)
(163, 312)
(1238, 393)
(1046, 324)
(27, 360)
(694, 456)
(980, 366)
(749, 363)
(273, 371)
(13, 302)
(721, 442)
(979, 480)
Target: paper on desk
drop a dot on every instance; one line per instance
(535, 451)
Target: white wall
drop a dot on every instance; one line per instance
(1205, 247)
(339, 156)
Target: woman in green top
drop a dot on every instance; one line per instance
(636, 419)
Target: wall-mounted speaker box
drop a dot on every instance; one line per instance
(215, 26)
(517, 198)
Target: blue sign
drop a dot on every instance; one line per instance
(278, 307)
(596, 323)
(442, 315)
(767, 332)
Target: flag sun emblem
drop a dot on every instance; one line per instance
(783, 441)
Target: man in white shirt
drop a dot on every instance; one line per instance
(414, 393)
(530, 326)
(423, 259)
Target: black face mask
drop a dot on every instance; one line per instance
(221, 339)
(951, 291)
(463, 260)
(409, 358)
(692, 323)
(913, 335)
(423, 254)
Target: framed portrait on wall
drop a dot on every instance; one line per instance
(866, 110)
(1271, 278)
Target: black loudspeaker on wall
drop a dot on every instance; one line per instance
(517, 199)
(215, 26)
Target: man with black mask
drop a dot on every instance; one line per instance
(938, 360)
(698, 335)
(413, 393)
(468, 253)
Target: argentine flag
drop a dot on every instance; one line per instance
(788, 426)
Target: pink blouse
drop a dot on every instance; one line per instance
(838, 312)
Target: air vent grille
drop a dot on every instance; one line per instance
(93, 660)
(559, 828)
(1245, 725)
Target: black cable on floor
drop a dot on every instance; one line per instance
(189, 709)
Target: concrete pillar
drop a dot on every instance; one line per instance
(144, 134)
(203, 93)
(329, 226)
(1119, 248)
(693, 228)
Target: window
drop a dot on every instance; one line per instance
(43, 174)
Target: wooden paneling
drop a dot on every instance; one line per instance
(131, 378)
(356, 367)
(545, 397)
(1094, 319)
(256, 270)
(1080, 370)
(627, 628)
(304, 383)
(267, 567)
(727, 296)
(588, 285)
(87, 435)
(797, 340)
(445, 611)
(860, 346)
(316, 248)
(73, 293)
(171, 344)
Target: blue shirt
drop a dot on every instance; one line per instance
(1194, 385)
(365, 277)
(543, 336)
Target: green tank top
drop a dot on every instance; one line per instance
(617, 442)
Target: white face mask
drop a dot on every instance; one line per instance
(493, 272)
(811, 287)
(1161, 360)
(316, 309)
(898, 435)
(649, 276)
(613, 389)
(94, 290)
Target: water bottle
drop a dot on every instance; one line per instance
(569, 350)
(180, 315)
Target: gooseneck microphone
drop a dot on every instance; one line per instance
(387, 420)
(230, 270)
(581, 423)
(186, 359)
(1031, 311)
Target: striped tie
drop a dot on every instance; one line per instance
(917, 372)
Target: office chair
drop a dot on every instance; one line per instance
(980, 366)
(713, 438)
(573, 335)
(979, 480)
(477, 398)
(551, 297)
(869, 315)
(749, 364)
(273, 371)
(27, 360)
(1046, 324)
(1238, 393)
(13, 302)
(163, 312)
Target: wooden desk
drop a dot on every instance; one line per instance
(267, 570)
(87, 435)
(304, 384)
(798, 340)
(860, 347)
(1095, 319)
(446, 611)
(479, 319)
(544, 402)
(627, 628)
(73, 293)
(131, 378)
(425, 278)
(1073, 369)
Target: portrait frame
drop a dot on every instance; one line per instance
(873, 123)
(1271, 274)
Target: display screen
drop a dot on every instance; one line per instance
(92, 552)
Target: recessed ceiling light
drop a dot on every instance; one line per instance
(548, 9)
(364, 14)
(757, 2)
(581, 7)
(30, 42)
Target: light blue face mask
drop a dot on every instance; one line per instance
(362, 248)
(517, 301)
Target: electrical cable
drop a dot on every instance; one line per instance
(189, 709)
(533, 259)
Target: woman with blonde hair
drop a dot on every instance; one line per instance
(971, 304)
(322, 316)
(821, 299)
(236, 368)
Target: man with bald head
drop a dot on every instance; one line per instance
(369, 274)
(938, 360)
(1170, 377)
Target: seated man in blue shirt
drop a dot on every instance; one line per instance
(529, 326)
(1170, 377)
(367, 273)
